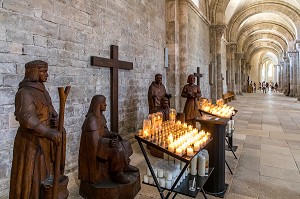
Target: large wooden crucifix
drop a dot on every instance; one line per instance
(114, 64)
(198, 75)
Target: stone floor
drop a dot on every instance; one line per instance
(268, 138)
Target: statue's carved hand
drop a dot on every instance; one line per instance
(189, 94)
(54, 122)
(113, 143)
(53, 135)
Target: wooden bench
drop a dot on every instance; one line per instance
(227, 97)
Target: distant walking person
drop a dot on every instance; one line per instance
(263, 87)
(275, 87)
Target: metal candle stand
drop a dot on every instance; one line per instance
(184, 187)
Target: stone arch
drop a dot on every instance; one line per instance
(264, 36)
(217, 11)
(279, 29)
(262, 44)
(281, 8)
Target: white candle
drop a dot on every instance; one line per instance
(205, 153)
(162, 182)
(150, 180)
(168, 184)
(189, 152)
(166, 156)
(169, 175)
(146, 179)
(201, 165)
(148, 172)
(194, 166)
(160, 173)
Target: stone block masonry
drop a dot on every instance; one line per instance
(65, 34)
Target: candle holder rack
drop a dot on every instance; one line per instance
(183, 188)
(229, 146)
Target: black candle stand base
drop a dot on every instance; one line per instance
(220, 194)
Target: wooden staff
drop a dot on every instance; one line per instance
(63, 94)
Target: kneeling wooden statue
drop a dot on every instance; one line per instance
(103, 165)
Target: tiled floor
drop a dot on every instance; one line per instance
(268, 138)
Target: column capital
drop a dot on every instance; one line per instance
(239, 55)
(219, 28)
(231, 47)
(292, 54)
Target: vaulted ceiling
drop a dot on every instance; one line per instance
(263, 28)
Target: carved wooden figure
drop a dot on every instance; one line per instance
(192, 92)
(36, 143)
(103, 166)
(156, 92)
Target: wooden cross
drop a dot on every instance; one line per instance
(198, 75)
(114, 64)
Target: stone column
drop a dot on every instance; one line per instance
(231, 67)
(216, 32)
(293, 55)
(297, 47)
(172, 40)
(281, 79)
(286, 76)
(183, 46)
(238, 58)
(243, 71)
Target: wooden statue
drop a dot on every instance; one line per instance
(164, 108)
(104, 158)
(156, 91)
(192, 92)
(37, 154)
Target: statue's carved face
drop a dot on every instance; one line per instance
(165, 104)
(103, 105)
(191, 79)
(158, 79)
(43, 74)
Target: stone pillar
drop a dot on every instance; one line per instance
(297, 47)
(243, 73)
(216, 32)
(231, 67)
(172, 40)
(293, 56)
(183, 46)
(286, 76)
(238, 66)
(281, 79)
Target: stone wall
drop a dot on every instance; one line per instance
(65, 34)
(198, 49)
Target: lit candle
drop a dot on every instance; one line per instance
(197, 146)
(171, 148)
(184, 125)
(190, 151)
(179, 151)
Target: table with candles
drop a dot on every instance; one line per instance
(182, 145)
(221, 110)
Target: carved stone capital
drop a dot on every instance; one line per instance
(292, 54)
(239, 55)
(220, 29)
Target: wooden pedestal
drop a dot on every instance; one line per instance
(112, 190)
